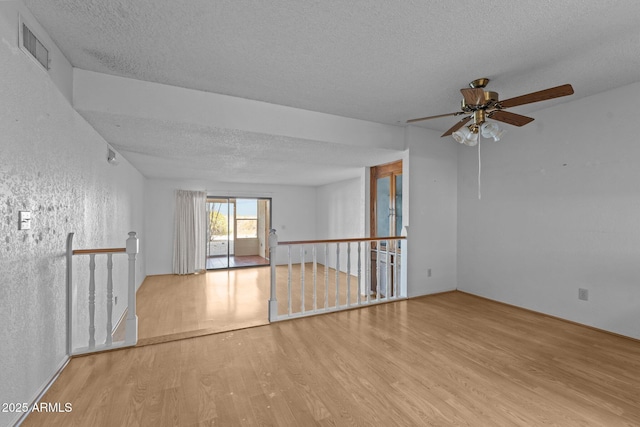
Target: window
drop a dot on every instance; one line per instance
(246, 218)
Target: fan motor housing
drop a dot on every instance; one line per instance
(489, 99)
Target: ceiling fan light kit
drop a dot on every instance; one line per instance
(491, 130)
(466, 136)
(479, 105)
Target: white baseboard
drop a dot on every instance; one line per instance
(122, 317)
(44, 389)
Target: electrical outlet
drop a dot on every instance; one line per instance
(583, 294)
(115, 300)
(428, 272)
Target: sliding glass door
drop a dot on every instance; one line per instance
(220, 245)
(238, 232)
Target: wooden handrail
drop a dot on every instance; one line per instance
(98, 251)
(361, 239)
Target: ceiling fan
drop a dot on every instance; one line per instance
(479, 104)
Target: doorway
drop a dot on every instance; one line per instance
(237, 232)
(386, 221)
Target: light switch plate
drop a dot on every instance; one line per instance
(24, 220)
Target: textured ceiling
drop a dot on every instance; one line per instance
(385, 61)
(217, 154)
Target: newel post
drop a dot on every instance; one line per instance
(70, 294)
(131, 328)
(273, 301)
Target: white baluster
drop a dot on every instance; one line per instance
(326, 275)
(396, 269)
(273, 301)
(315, 276)
(337, 275)
(380, 269)
(109, 339)
(404, 260)
(377, 270)
(359, 272)
(92, 300)
(348, 274)
(131, 329)
(387, 289)
(289, 280)
(302, 268)
(368, 267)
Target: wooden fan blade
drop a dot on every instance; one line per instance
(473, 96)
(510, 118)
(543, 95)
(457, 126)
(435, 117)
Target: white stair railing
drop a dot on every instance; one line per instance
(378, 273)
(131, 325)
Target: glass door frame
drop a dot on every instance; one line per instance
(232, 224)
(228, 201)
(391, 170)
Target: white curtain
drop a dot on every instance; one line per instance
(190, 235)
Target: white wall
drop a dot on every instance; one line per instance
(339, 210)
(53, 164)
(60, 71)
(430, 211)
(340, 213)
(293, 214)
(560, 211)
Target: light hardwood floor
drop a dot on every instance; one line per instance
(449, 359)
(171, 307)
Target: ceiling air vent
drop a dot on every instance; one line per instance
(33, 46)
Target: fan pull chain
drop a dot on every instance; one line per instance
(479, 169)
